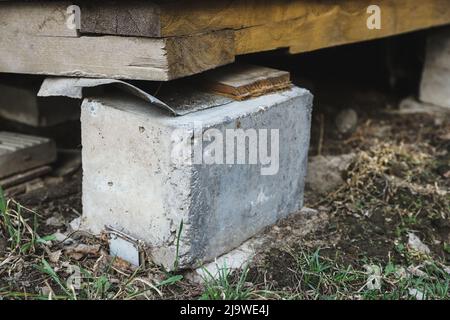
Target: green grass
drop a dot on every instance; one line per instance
(19, 225)
(225, 285)
(45, 268)
(318, 277)
(101, 286)
(3, 203)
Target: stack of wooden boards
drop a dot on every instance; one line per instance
(24, 158)
(163, 40)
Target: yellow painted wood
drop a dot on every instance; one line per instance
(341, 24)
(260, 25)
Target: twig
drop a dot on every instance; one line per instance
(322, 132)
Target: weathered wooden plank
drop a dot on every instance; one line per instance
(38, 19)
(172, 42)
(19, 152)
(342, 24)
(115, 57)
(162, 18)
(261, 25)
(194, 54)
(24, 177)
(130, 18)
(245, 81)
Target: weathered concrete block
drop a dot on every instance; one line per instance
(435, 85)
(146, 173)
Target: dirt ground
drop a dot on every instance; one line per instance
(397, 185)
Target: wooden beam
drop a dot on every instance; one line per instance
(35, 40)
(261, 25)
(342, 24)
(162, 18)
(127, 18)
(43, 19)
(171, 39)
(114, 56)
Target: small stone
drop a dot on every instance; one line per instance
(55, 221)
(346, 121)
(325, 172)
(419, 295)
(75, 224)
(64, 239)
(416, 244)
(447, 270)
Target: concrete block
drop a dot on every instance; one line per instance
(151, 176)
(19, 103)
(435, 85)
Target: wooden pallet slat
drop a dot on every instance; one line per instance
(19, 152)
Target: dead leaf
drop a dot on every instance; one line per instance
(445, 136)
(401, 273)
(55, 221)
(53, 256)
(78, 251)
(62, 238)
(415, 271)
(121, 264)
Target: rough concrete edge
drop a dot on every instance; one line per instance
(237, 258)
